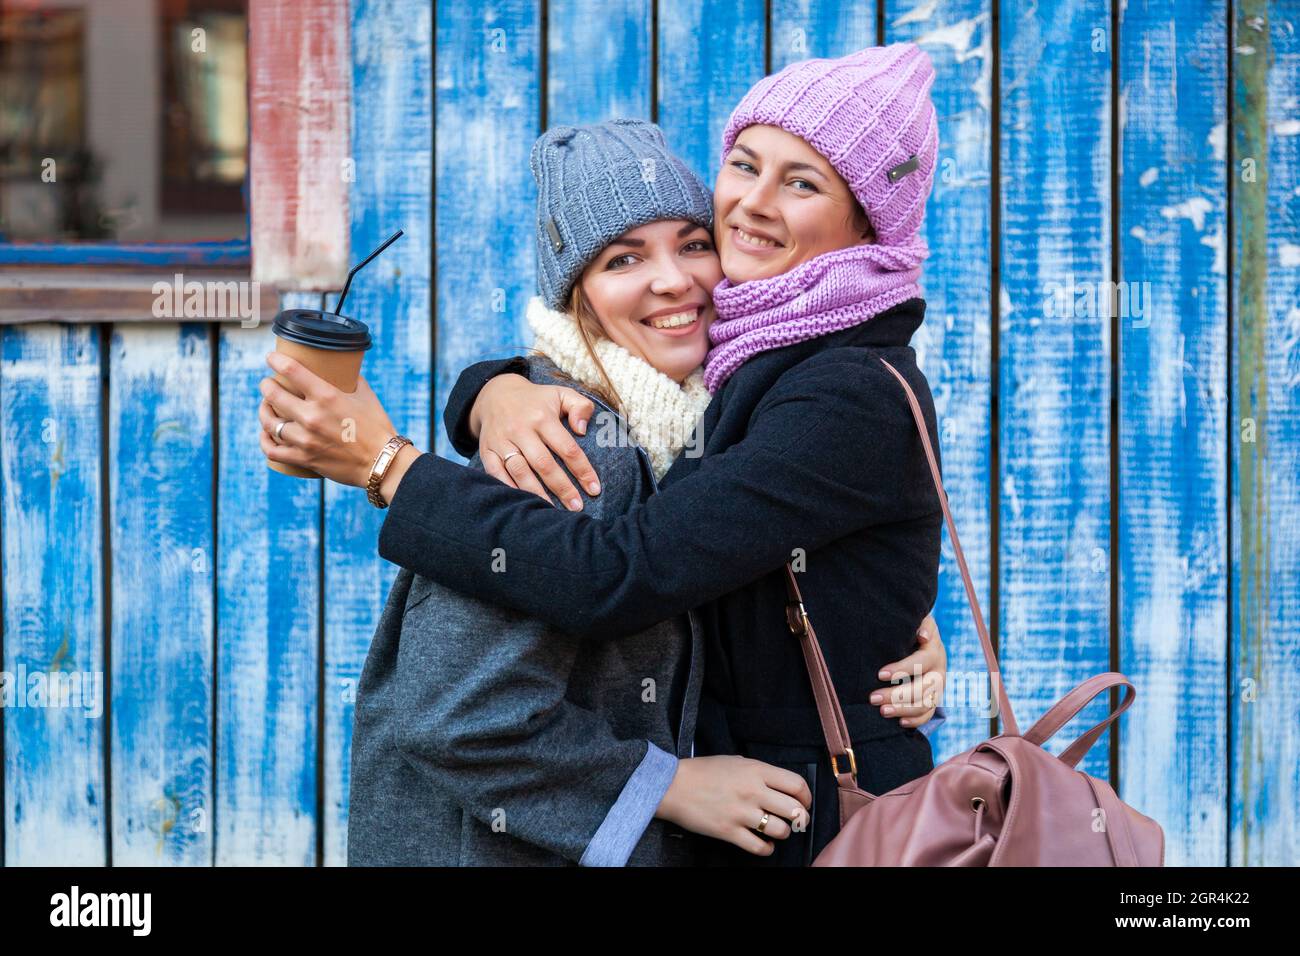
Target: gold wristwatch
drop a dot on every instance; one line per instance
(379, 469)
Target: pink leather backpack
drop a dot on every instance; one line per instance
(1004, 802)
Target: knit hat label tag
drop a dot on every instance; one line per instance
(556, 242)
(908, 165)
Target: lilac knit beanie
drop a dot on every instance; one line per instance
(869, 113)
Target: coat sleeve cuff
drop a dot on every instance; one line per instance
(627, 819)
(469, 383)
(931, 725)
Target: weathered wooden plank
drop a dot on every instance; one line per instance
(1173, 421)
(160, 499)
(299, 159)
(268, 588)
(1264, 828)
(53, 596)
(488, 105)
(598, 61)
(802, 29)
(392, 139)
(1054, 374)
(710, 53)
(954, 343)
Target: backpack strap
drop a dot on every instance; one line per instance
(829, 712)
(990, 656)
(834, 728)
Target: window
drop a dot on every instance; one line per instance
(124, 132)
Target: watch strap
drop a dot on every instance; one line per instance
(383, 461)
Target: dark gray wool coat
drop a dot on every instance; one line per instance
(483, 736)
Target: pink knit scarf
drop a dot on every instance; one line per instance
(827, 293)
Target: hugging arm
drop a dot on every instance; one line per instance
(802, 477)
(457, 419)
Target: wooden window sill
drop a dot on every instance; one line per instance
(133, 295)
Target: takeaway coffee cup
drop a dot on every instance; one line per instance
(330, 345)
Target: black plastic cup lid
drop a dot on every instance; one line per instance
(322, 330)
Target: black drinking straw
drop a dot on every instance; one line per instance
(357, 268)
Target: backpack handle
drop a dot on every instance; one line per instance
(1065, 709)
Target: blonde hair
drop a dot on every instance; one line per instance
(589, 328)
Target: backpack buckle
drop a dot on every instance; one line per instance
(853, 763)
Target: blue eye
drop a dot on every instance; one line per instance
(613, 263)
(738, 163)
(810, 186)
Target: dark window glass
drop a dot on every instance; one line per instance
(123, 120)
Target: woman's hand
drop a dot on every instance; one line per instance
(922, 676)
(336, 434)
(512, 414)
(726, 797)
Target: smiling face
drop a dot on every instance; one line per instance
(778, 203)
(651, 289)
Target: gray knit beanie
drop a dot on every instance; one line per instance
(596, 182)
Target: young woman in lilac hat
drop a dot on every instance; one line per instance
(807, 451)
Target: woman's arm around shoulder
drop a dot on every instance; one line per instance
(832, 448)
(456, 416)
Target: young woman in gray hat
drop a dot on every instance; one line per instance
(809, 451)
(484, 736)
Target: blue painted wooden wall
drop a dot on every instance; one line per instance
(1125, 485)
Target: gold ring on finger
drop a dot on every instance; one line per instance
(762, 824)
(278, 429)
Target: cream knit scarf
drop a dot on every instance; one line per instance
(660, 413)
